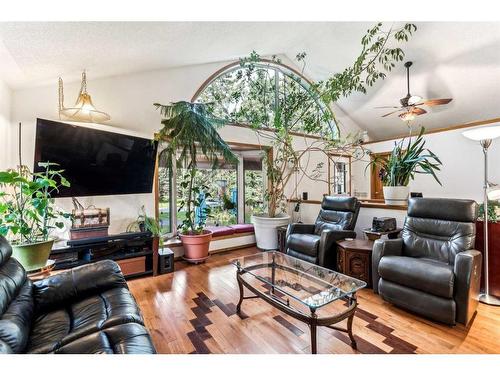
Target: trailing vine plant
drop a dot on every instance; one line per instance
(301, 106)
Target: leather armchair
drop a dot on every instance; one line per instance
(316, 243)
(432, 269)
(87, 309)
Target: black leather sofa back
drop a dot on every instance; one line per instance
(439, 228)
(337, 213)
(16, 302)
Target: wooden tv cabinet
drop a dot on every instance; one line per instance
(136, 253)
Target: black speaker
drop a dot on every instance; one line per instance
(305, 195)
(165, 260)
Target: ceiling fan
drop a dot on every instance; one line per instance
(410, 104)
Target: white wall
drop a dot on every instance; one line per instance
(129, 100)
(462, 171)
(5, 106)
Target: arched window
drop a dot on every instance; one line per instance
(254, 93)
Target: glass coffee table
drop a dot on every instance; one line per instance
(300, 289)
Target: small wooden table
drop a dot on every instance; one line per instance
(354, 258)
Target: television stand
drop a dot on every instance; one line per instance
(135, 252)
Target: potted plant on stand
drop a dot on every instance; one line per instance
(277, 112)
(398, 168)
(27, 212)
(190, 133)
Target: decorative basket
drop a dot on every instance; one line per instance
(90, 217)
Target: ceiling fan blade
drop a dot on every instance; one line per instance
(433, 102)
(390, 113)
(418, 111)
(387, 106)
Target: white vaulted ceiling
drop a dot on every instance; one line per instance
(458, 60)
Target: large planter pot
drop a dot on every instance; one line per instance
(33, 256)
(266, 230)
(196, 246)
(396, 195)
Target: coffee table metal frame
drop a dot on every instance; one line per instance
(312, 319)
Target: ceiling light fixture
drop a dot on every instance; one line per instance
(407, 116)
(83, 110)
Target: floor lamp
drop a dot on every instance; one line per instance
(485, 136)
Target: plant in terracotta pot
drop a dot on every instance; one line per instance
(28, 213)
(189, 133)
(400, 166)
(277, 112)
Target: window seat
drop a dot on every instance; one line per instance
(224, 238)
(230, 229)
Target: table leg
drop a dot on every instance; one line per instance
(240, 286)
(273, 274)
(354, 345)
(314, 348)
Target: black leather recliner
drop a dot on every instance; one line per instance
(87, 309)
(432, 269)
(315, 243)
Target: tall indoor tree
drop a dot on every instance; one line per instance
(189, 133)
(302, 111)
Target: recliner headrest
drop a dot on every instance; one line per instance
(5, 250)
(339, 203)
(461, 210)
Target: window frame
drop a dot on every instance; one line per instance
(283, 69)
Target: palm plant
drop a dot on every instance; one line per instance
(190, 132)
(405, 161)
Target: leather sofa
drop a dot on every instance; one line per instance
(87, 309)
(316, 243)
(433, 269)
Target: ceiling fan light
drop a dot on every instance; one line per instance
(407, 116)
(414, 99)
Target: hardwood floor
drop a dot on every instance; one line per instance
(193, 311)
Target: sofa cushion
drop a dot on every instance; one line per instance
(221, 231)
(433, 307)
(129, 338)
(243, 228)
(65, 324)
(439, 228)
(423, 274)
(304, 243)
(16, 302)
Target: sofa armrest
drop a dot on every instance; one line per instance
(382, 248)
(467, 271)
(327, 251)
(5, 348)
(299, 228)
(77, 283)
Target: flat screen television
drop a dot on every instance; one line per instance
(96, 162)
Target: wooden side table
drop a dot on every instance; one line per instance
(354, 258)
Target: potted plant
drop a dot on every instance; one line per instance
(405, 160)
(278, 117)
(190, 132)
(27, 212)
